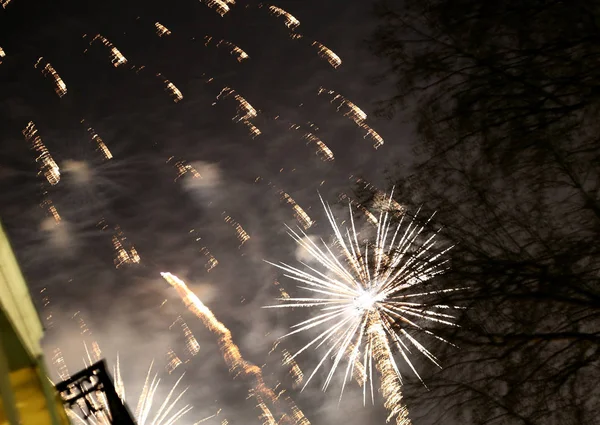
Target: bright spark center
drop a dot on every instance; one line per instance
(365, 301)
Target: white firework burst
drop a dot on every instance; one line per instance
(367, 294)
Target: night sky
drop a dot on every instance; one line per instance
(143, 127)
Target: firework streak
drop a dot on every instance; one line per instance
(238, 366)
(48, 166)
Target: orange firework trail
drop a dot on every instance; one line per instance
(231, 352)
(116, 57)
(161, 29)
(173, 361)
(59, 85)
(326, 53)
(234, 50)
(301, 216)
(323, 150)
(184, 168)
(355, 114)
(191, 342)
(5, 3)
(219, 6)
(172, 89)
(48, 166)
(368, 214)
(241, 234)
(245, 110)
(51, 210)
(125, 253)
(290, 21)
(211, 261)
(100, 145)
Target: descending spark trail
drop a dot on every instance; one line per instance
(101, 146)
(231, 353)
(184, 168)
(211, 261)
(48, 167)
(241, 234)
(125, 252)
(5, 3)
(161, 29)
(326, 53)
(290, 21)
(301, 216)
(362, 301)
(59, 85)
(323, 150)
(219, 6)
(116, 57)
(171, 88)
(355, 114)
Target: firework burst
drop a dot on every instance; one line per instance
(363, 292)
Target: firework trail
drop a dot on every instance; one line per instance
(125, 253)
(353, 112)
(295, 370)
(161, 29)
(323, 150)
(191, 342)
(46, 163)
(2, 54)
(299, 214)
(211, 261)
(290, 21)
(5, 3)
(116, 57)
(231, 352)
(100, 145)
(59, 85)
(171, 88)
(366, 297)
(173, 361)
(245, 111)
(50, 210)
(183, 168)
(368, 214)
(58, 359)
(241, 234)
(219, 6)
(233, 50)
(327, 54)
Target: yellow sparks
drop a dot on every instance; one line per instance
(373, 135)
(123, 255)
(191, 343)
(50, 209)
(301, 216)
(116, 57)
(295, 370)
(161, 29)
(219, 6)
(241, 234)
(326, 53)
(173, 361)
(370, 216)
(352, 111)
(290, 21)
(175, 93)
(59, 363)
(231, 352)
(254, 130)
(5, 3)
(101, 146)
(233, 50)
(48, 166)
(211, 261)
(59, 85)
(2, 54)
(183, 168)
(322, 149)
(245, 110)
(391, 385)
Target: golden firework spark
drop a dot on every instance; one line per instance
(173, 361)
(51, 210)
(233, 50)
(351, 110)
(252, 129)
(191, 343)
(59, 85)
(125, 252)
(5, 3)
(116, 57)
(2, 54)
(173, 90)
(211, 261)
(161, 29)
(238, 366)
(100, 145)
(368, 214)
(373, 135)
(326, 53)
(301, 216)
(323, 151)
(361, 301)
(219, 6)
(48, 166)
(241, 234)
(290, 21)
(245, 110)
(183, 168)
(295, 370)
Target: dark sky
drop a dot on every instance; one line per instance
(135, 190)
